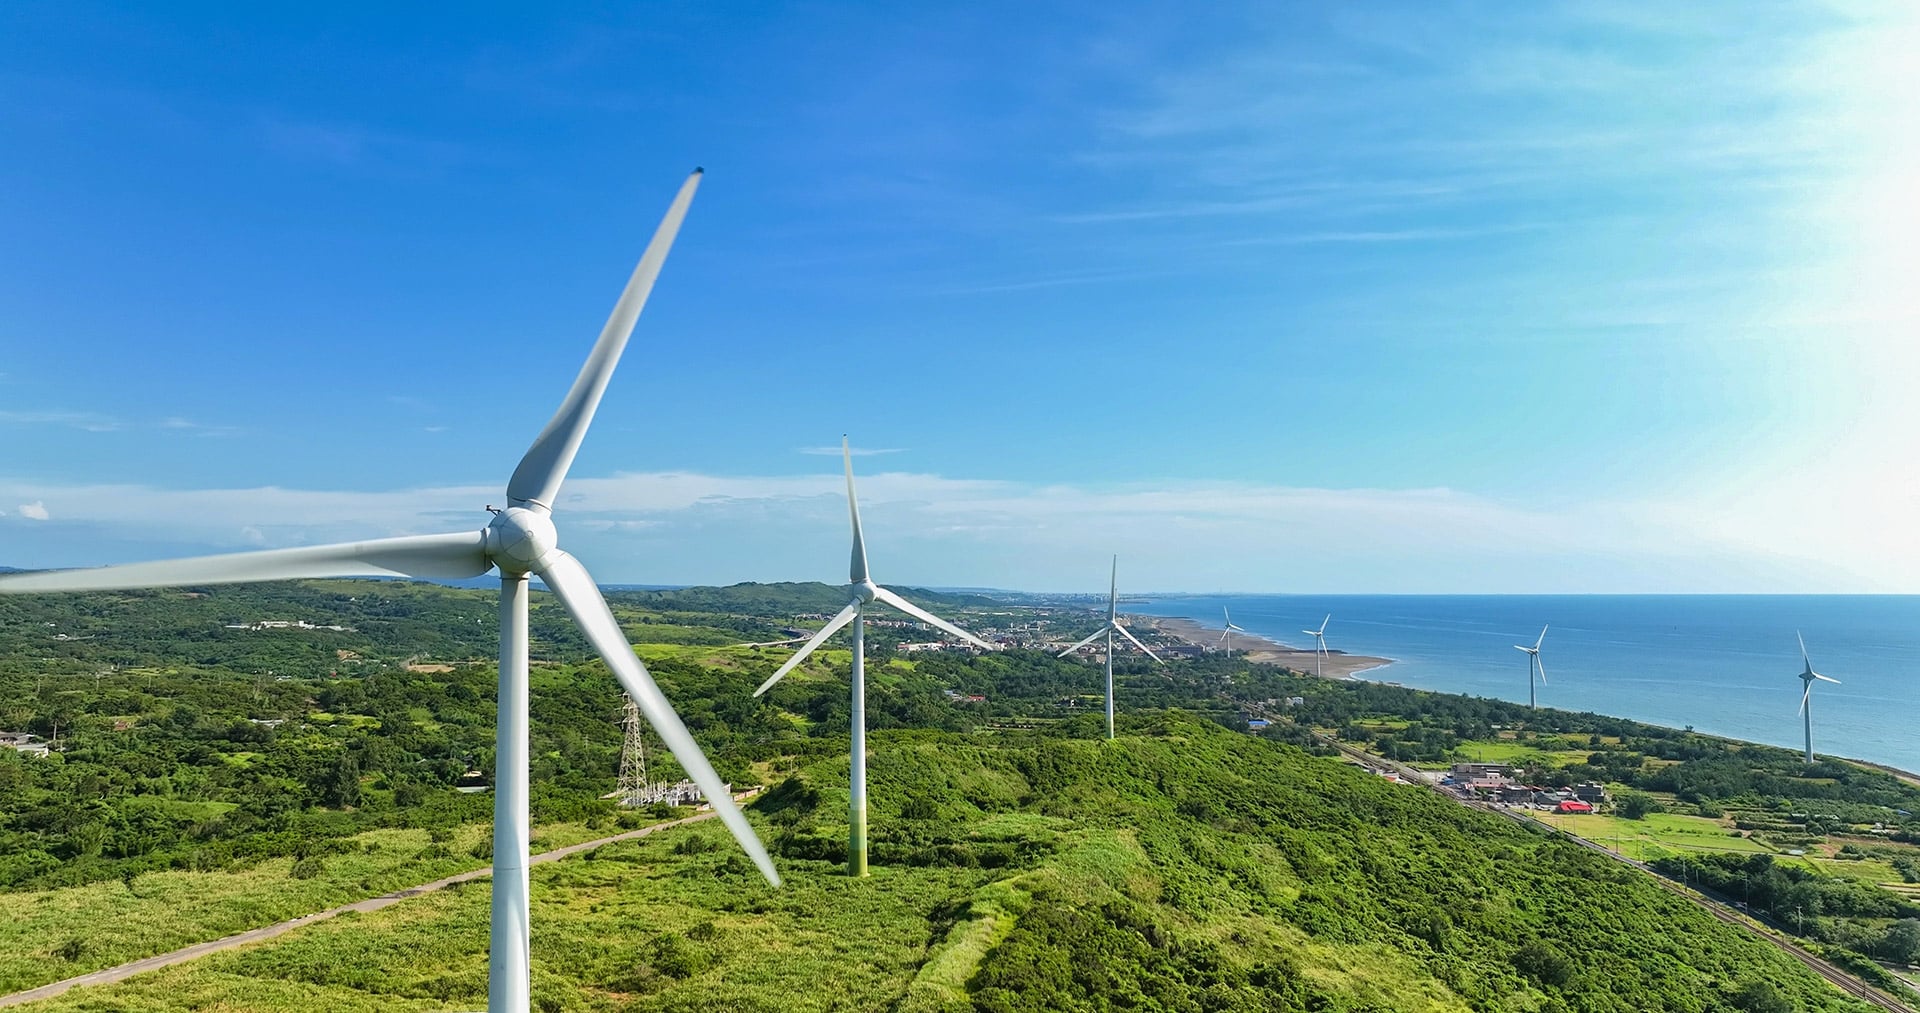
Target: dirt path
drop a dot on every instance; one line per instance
(107, 976)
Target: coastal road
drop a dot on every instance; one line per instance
(108, 976)
(1840, 978)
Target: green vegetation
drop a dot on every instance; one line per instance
(214, 778)
(1185, 868)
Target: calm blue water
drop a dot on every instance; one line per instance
(1725, 664)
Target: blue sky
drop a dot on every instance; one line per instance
(1361, 298)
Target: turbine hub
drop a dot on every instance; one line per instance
(865, 591)
(519, 539)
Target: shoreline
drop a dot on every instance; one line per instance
(1337, 665)
(1263, 650)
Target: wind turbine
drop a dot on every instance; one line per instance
(520, 541)
(1806, 695)
(864, 592)
(1111, 627)
(1534, 664)
(1319, 643)
(1226, 635)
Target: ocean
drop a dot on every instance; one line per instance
(1723, 664)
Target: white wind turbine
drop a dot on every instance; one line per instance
(1534, 664)
(520, 541)
(1806, 695)
(1108, 629)
(1319, 643)
(1226, 635)
(864, 592)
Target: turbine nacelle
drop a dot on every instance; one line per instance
(866, 591)
(521, 540)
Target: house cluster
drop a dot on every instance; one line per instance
(927, 647)
(1494, 782)
(959, 697)
(25, 743)
(287, 624)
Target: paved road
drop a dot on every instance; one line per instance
(1842, 979)
(197, 950)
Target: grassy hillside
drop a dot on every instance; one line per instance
(1187, 868)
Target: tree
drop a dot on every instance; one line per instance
(1635, 805)
(1761, 997)
(1902, 941)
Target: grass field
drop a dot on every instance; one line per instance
(47, 935)
(1657, 835)
(1508, 751)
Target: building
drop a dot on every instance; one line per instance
(1573, 806)
(1256, 724)
(1591, 793)
(25, 743)
(1474, 771)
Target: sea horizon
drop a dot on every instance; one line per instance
(1721, 664)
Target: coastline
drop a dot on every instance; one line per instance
(1263, 650)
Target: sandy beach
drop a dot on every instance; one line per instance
(1336, 664)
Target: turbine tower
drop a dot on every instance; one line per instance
(1534, 664)
(864, 592)
(1226, 635)
(1806, 694)
(520, 542)
(1319, 643)
(1111, 627)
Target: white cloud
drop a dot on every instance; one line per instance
(36, 510)
(92, 422)
(856, 451)
(673, 527)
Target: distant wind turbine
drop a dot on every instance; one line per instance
(1226, 635)
(1108, 629)
(520, 541)
(1534, 664)
(864, 592)
(1806, 694)
(1319, 643)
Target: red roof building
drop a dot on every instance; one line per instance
(1571, 806)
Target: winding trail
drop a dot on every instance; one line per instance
(109, 975)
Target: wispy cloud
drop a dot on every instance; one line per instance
(92, 422)
(694, 527)
(178, 424)
(34, 511)
(856, 451)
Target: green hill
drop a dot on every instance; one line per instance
(1189, 868)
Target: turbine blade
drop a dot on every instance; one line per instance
(1541, 663)
(1523, 647)
(1083, 643)
(1803, 650)
(570, 582)
(1825, 678)
(1542, 640)
(1323, 624)
(857, 570)
(842, 618)
(1137, 643)
(1113, 589)
(537, 479)
(459, 555)
(1804, 694)
(927, 617)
